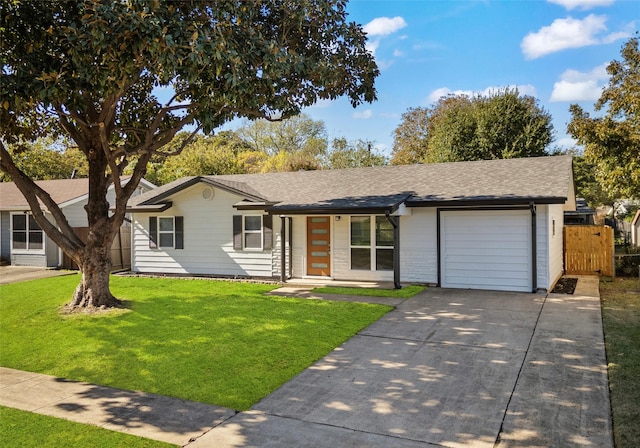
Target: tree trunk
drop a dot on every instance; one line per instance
(93, 291)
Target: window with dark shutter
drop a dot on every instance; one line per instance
(237, 232)
(153, 232)
(179, 229)
(267, 222)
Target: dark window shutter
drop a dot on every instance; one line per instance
(267, 232)
(179, 228)
(237, 232)
(153, 232)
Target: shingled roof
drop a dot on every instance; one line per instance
(61, 191)
(380, 189)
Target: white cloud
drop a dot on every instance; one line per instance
(580, 86)
(444, 91)
(380, 27)
(363, 115)
(581, 4)
(563, 34)
(397, 53)
(383, 26)
(523, 89)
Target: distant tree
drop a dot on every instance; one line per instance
(453, 131)
(201, 156)
(410, 137)
(361, 153)
(612, 142)
(298, 134)
(252, 161)
(587, 186)
(297, 143)
(88, 69)
(47, 158)
(501, 125)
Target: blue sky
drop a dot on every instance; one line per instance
(555, 50)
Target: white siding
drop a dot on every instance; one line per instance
(76, 214)
(208, 239)
(419, 246)
(542, 246)
(299, 228)
(556, 244)
(486, 250)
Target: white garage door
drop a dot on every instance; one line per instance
(486, 250)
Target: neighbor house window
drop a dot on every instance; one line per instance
(252, 232)
(371, 243)
(166, 232)
(26, 234)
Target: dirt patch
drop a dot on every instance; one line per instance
(565, 286)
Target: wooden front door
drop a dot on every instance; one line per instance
(319, 245)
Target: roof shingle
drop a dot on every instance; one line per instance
(506, 180)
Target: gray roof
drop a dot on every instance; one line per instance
(375, 189)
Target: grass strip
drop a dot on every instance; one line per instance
(403, 293)
(223, 343)
(25, 429)
(621, 319)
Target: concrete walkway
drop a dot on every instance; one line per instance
(15, 274)
(447, 368)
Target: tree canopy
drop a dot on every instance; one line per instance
(503, 124)
(612, 141)
(46, 159)
(91, 69)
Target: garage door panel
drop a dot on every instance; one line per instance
(481, 268)
(492, 283)
(489, 246)
(486, 249)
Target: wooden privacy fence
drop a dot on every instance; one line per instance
(588, 250)
(120, 249)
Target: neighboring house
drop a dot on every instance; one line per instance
(22, 242)
(483, 225)
(582, 215)
(635, 229)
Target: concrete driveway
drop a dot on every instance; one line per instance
(450, 368)
(15, 274)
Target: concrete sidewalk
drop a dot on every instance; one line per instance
(447, 368)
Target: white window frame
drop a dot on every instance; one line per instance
(172, 232)
(245, 232)
(373, 244)
(26, 250)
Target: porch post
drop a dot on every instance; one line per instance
(283, 249)
(395, 222)
(290, 219)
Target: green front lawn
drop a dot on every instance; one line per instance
(24, 429)
(222, 343)
(621, 319)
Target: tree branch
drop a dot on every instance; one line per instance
(63, 235)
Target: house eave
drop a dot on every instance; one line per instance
(479, 202)
(148, 208)
(244, 205)
(331, 211)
